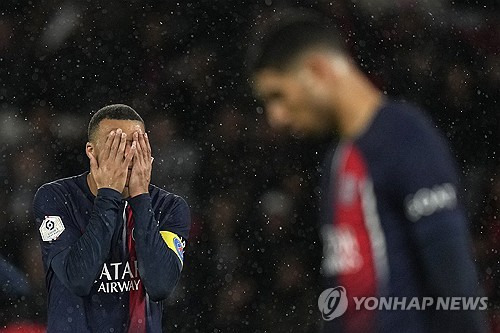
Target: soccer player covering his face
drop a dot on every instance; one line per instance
(112, 243)
(392, 224)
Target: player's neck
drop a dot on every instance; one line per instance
(358, 108)
(91, 183)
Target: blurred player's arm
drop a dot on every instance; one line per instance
(75, 257)
(160, 244)
(427, 186)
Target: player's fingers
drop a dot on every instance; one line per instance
(137, 157)
(140, 149)
(107, 145)
(131, 153)
(135, 138)
(148, 146)
(93, 162)
(109, 137)
(120, 154)
(142, 143)
(116, 142)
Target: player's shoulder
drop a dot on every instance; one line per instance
(59, 193)
(171, 210)
(401, 125)
(162, 197)
(405, 119)
(412, 140)
(402, 136)
(61, 186)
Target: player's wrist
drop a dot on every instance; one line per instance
(112, 184)
(108, 192)
(112, 187)
(133, 194)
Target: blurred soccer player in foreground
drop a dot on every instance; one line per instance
(112, 243)
(391, 224)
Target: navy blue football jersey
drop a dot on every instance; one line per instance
(109, 262)
(392, 226)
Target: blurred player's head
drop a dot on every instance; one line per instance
(286, 37)
(302, 73)
(112, 117)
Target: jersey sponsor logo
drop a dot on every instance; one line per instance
(119, 277)
(175, 243)
(428, 201)
(51, 228)
(341, 251)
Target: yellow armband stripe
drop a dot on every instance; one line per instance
(174, 243)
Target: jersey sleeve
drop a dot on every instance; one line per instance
(174, 228)
(426, 187)
(75, 255)
(160, 240)
(51, 214)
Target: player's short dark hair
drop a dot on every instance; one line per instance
(286, 36)
(114, 111)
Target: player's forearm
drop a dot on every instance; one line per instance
(158, 266)
(159, 270)
(78, 265)
(452, 274)
(450, 270)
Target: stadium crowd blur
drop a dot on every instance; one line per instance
(253, 255)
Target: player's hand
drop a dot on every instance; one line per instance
(110, 167)
(141, 170)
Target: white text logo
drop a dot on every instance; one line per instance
(333, 303)
(119, 277)
(428, 201)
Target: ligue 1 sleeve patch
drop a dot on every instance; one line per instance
(51, 228)
(175, 243)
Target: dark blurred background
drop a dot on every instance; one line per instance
(253, 255)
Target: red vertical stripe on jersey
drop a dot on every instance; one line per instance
(137, 304)
(349, 217)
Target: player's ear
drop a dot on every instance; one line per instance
(317, 66)
(327, 68)
(339, 66)
(89, 149)
(314, 73)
